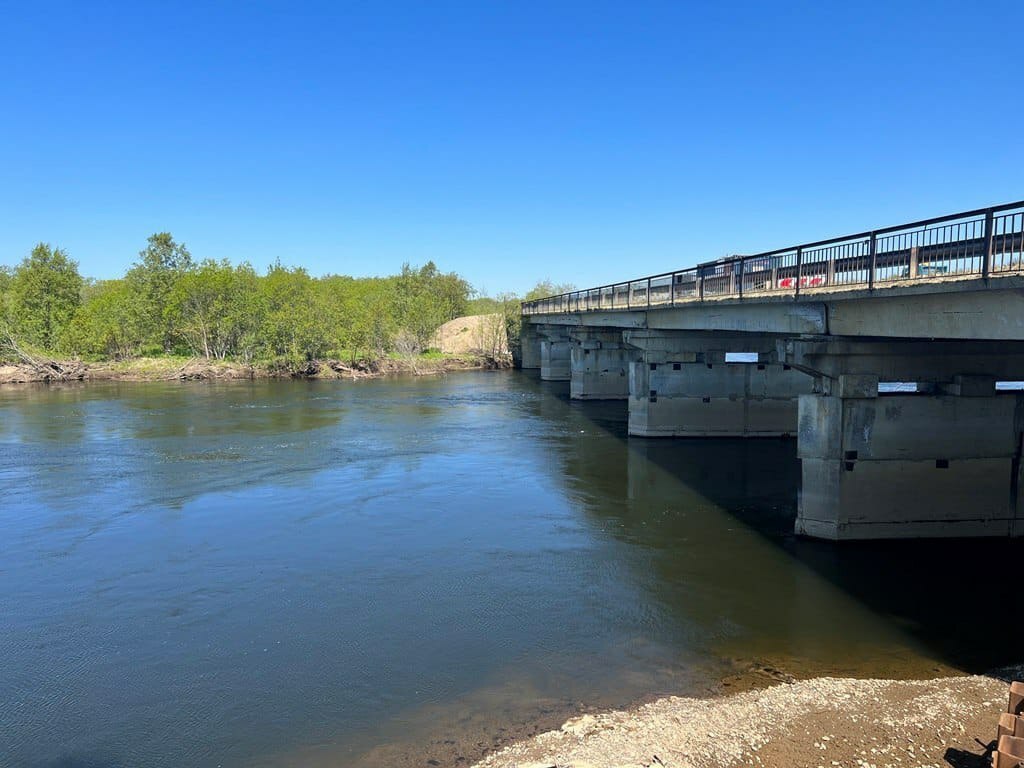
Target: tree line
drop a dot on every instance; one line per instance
(169, 303)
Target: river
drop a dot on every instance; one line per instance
(394, 572)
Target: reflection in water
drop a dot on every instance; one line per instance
(384, 572)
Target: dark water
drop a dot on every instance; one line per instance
(386, 572)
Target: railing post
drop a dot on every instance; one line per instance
(700, 283)
(874, 261)
(672, 290)
(648, 293)
(799, 265)
(629, 295)
(742, 262)
(986, 257)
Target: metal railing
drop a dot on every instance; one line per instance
(981, 243)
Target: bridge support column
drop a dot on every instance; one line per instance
(908, 465)
(600, 363)
(529, 346)
(942, 460)
(689, 385)
(555, 354)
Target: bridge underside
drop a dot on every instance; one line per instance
(940, 457)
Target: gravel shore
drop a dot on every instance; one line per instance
(822, 722)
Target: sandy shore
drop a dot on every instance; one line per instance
(821, 722)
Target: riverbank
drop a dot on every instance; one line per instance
(822, 721)
(200, 369)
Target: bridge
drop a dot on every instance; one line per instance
(885, 353)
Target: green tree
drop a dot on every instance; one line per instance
(294, 326)
(109, 323)
(45, 291)
(427, 298)
(161, 264)
(545, 288)
(218, 309)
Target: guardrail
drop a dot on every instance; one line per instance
(983, 242)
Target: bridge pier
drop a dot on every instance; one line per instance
(690, 385)
(942, 461)
(529, 346)
(555, 353)
(600, 362)
(909, 466)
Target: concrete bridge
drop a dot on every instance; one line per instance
(803, 341)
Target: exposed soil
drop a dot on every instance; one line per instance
(198, 369)
(822, 722)
(472, 335)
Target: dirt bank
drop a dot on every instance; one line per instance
(198, 369)
(819, 722)
(474, 335)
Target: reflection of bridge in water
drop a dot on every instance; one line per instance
(797, 341)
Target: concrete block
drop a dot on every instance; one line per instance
(529, 345)
(905, 499)
(555, 360)
(972, 386)
(600, 373)
(856, 386)
(929, 427)
(819, 427)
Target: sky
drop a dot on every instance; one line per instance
(582, 142)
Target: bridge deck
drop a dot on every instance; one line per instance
(980, 243)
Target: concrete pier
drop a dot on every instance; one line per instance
(529, 347)
(555, 354)
(685, 385)
(909, 465)
(600, 363)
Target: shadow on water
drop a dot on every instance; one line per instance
(941, 593)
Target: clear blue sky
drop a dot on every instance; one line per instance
(510, 141)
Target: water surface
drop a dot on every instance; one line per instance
(395, 571)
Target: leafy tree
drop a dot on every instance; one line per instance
(545, 288)
(109, 323)
(294, 327)
(218, 309)
(427, 298)
(45, 291)
(161, 264)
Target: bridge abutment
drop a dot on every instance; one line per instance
(689, 385)
(600, 361)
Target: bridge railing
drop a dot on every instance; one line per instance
(980, 243)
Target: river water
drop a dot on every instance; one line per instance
(394, 572)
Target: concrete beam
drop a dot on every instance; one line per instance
(993, 313)
(945, 308)
(904, 359)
